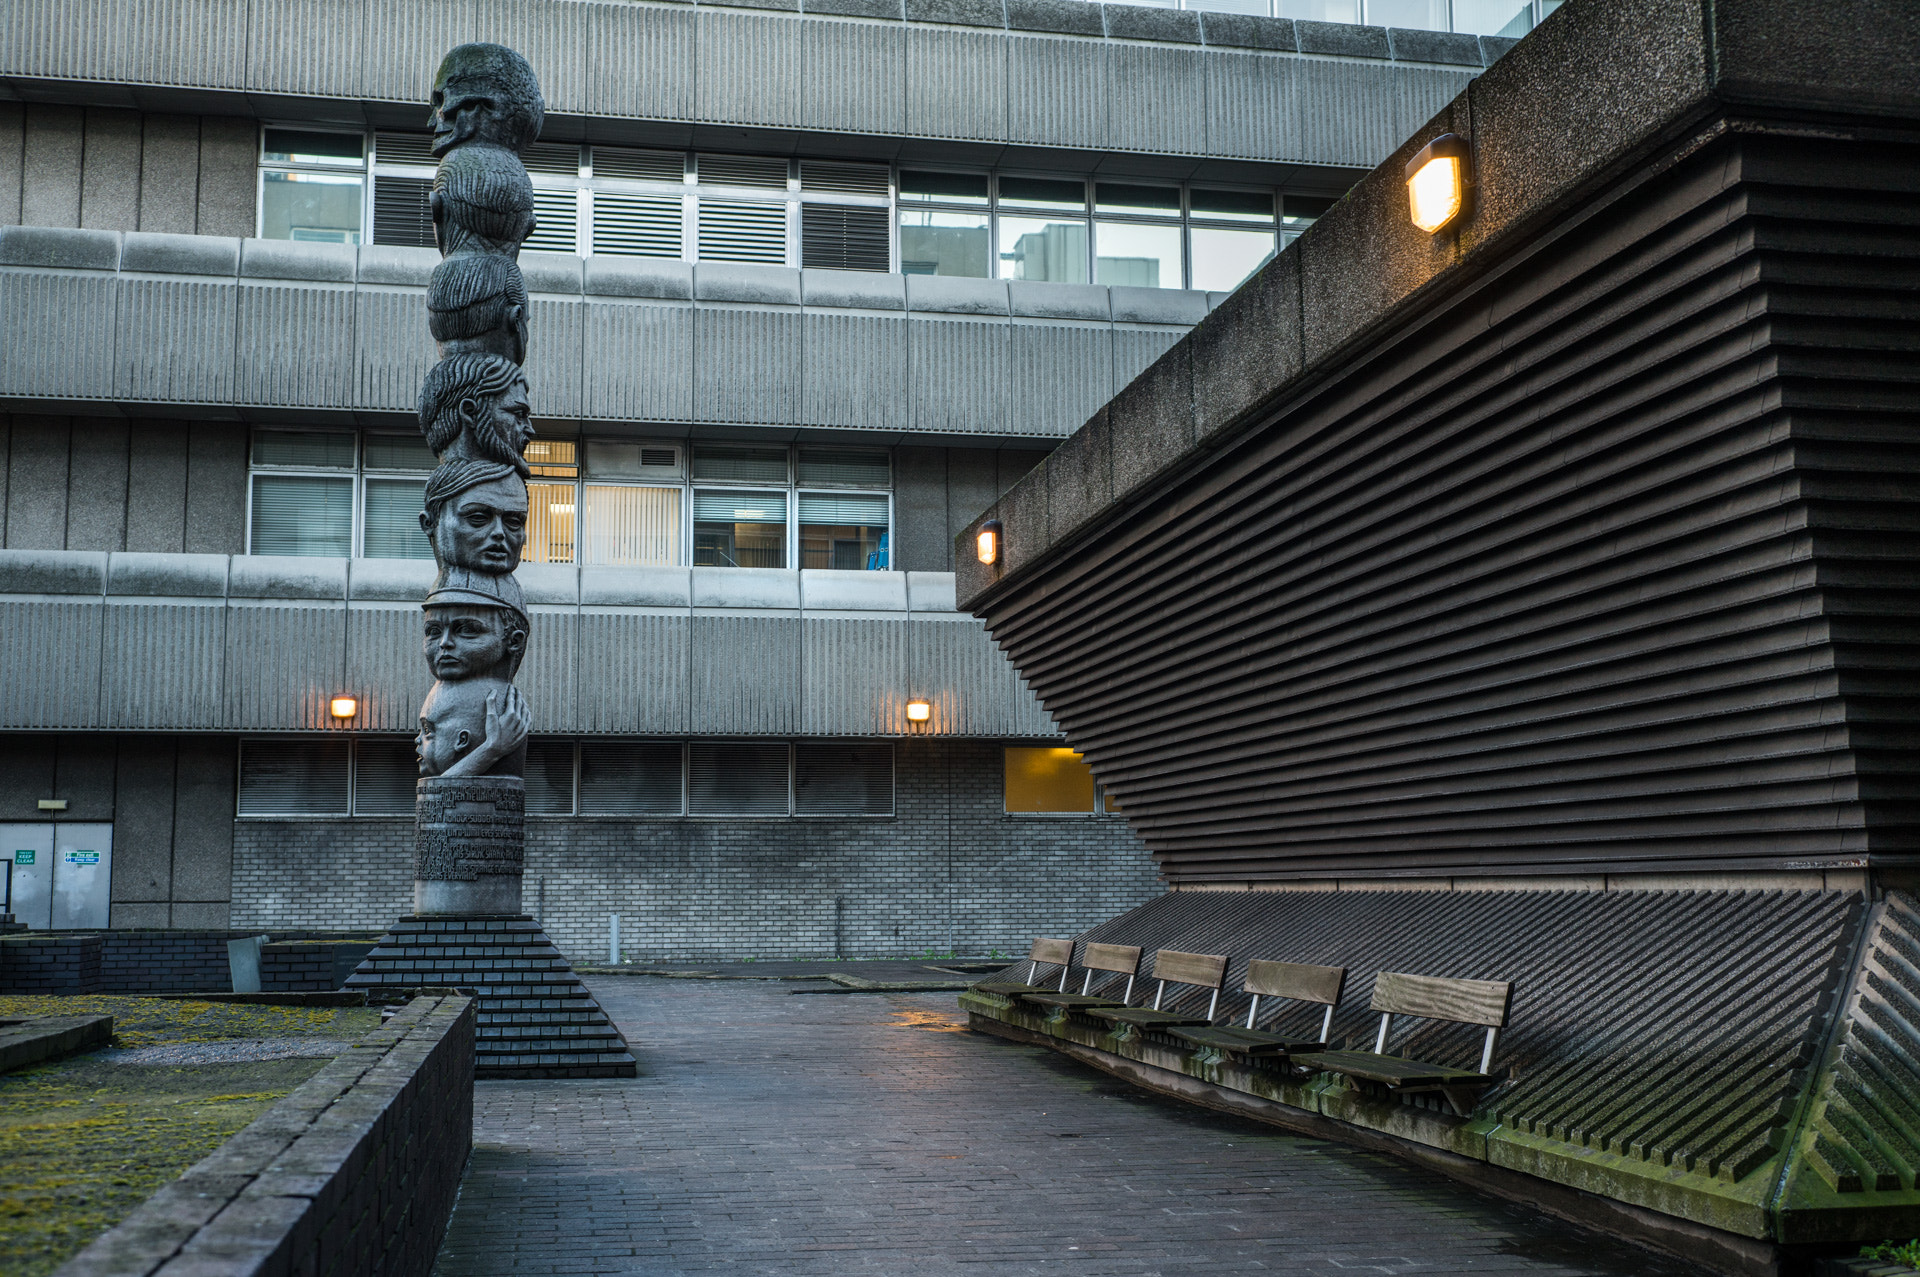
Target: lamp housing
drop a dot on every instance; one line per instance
(919, 711)
(987, 541)
(1440, 183)
(343, 707)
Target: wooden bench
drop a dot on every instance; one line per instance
(1115, 959)
(1042, 952)
(1288, 980)
(1481, 1002)
(1170, 966)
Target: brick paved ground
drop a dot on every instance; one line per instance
(864, 1134)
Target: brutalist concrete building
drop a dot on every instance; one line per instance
(810, 290)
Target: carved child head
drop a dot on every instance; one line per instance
(477, 304)
(476, 516)
(474, 408)
(453, 722)
(481, 202)
(485, 93)
(471, 641)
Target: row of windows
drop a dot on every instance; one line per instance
(374, 776)
(341, 493)
(1512, 18)
(596, 199)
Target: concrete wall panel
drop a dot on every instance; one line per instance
(143, 825)
(547, 675)
(638, 361)
(748, 68)
(294, 343)
(37, 458)
(393, 351)
(1057, 91)
(285, 661)
(216, 488)
(385, 669)
(157, 486)
(554, 355)
(854, 368)
(1158, 99)
(641, 669)
(973, 689)
(164, 665)
(83, 774)
(404, 41)
(13, 141)
(920, 540)
(752, 372)
(640, 60)
(110, 170)
(1253, 105)
(1135, 348)
(203, 807)
(855, 77)
(853, 677)
(185, 42)
(169, 173)
(1056, 373)
(957, 378)
(57, 340)
(553, 39)
(97, 485)
(956, 84)
(229, 176)
(152, 362)
(52, 661)
(745, 675)
(51, 165)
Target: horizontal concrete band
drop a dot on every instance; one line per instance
(148, 319)
(1050, 73)
(252, 643)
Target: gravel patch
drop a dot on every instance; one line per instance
(231, 1051)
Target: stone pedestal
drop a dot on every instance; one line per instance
(469, 845)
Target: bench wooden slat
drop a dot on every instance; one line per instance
(1008, 988)
(1250, 1042)
(1436, 998)
(1124, 958)
(1294, 980)
(1390, 1070)
(1144, 1017)
(1071, 1001)
(1057, 952)
(1208, 970)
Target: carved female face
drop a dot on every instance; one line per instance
(483, 528)
(468, 642)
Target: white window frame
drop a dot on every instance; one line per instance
(363, 167)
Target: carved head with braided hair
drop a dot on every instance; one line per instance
(474, 407)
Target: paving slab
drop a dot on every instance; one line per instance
(875, 1135)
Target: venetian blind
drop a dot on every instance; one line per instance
(630, 778)
(737, 778)
(302, 515)
(384, 774)
(549, 777)
(843, 778)
(840, 510)
(402, 211)
(739, 507)
(293, 778)
(391, 521)
(631, 525)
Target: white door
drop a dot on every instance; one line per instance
(82, 875)
(30, 849)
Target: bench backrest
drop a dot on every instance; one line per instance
(1295, 980)
(1121, 959)
(1055, 953)
(1208, 970)
(1482, 1002)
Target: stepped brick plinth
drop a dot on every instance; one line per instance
(536, 1019)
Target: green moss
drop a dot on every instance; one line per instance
(1907, 1253)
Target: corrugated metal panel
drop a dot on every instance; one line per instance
(639, 361)
(855, 78)
(1541, 591)
(957, 374)
(404, 41)
(749, 68)
(1253, 106)
(52, 659)
(1057, 91)
(853, 677)
(640, 670)
(151, 359)
(1135, 349)
(304, 46)
(284, 662)
(554, 370)
(58, 336)
(1158, 99)
(393, 351)
(642, 60)
(295, 344)
(385, 668)
(855, 366)
(164, 666)
(956, 84)
(1059, 375)
(746, 675)
(553, 39)
(746, 365)
(548, 674)
(974, 689)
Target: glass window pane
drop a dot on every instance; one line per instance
(1318, 10)
(1034, 248)
(549, 523)
(740, 529)
(302, 514)
(1048, 780)
(332, 448)
(297, 146)
(740, 465)
(1300, 211)
(1044, 192)
(1232, 206)
(1223, 259)
(845, 532)
(835, 465)
(398, 452)
(549, 777)
(1135, 255)
(1120, 197)
(384, 772)
(1260, 7)
(631, 525)
(843, 778)
(392, 520)
(947, 188)
(736, 778)
(1511, 18)
(629, 778)
(943, 244)
(553, 458)
(1421, 15)
(293, 777)
(319, 208)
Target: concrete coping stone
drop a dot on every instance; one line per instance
(931, 592)
(830, 590)
(639, 277)
(1158, 306)
(1343, 40)
(957, 296)
(858, 289)
(135, 573)
(1141, 22)
(551, 272)
(1249, 31)
(269, 576)
(53, 572)
(1494, 47)
(746, 587)
(1065, 17)
(389, 580)
(180, 254)
(747, 282)
(59, 247)
(1060, 301)
(636, 587)
(549, 583)
(786, 6)
(958, 13)
(893, 10)
(397, 264)
(289, 259)
(1446, 47)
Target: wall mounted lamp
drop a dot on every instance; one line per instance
(343, 707)
(918, 711)
(987, 541)
(1439, 181)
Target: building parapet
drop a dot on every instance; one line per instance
(271, 328)
(153, 642)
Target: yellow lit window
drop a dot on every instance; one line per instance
(549, 523)
(1048, 782)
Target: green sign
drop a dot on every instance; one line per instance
(24, 856)
(83, 857)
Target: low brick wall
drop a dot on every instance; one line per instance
(169, 962)
(50, 964)
(354, 1173)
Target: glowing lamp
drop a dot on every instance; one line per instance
(343, 707)
(988, 541)
(1438, 181)
(918, 711)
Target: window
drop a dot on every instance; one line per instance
(739, 529)
(385, 772)
(843, 530)
(737, 778)
(833, 237)
(550, 776)
(308, 485)
(631, 778)
(843, 778)
(295, 777)
(312, 185)
(552, 501)
(1051, 781)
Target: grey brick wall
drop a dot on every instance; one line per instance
(949, 871)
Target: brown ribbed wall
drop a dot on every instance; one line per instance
(1609, 562)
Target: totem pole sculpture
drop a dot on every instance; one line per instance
(466, 930)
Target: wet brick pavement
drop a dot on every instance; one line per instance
(868, 1134)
